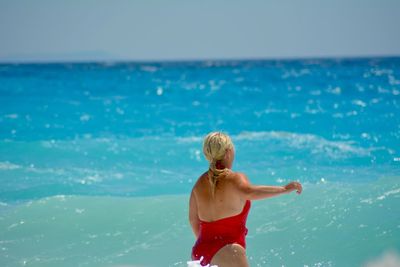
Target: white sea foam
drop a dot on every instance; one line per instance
(381, 197)
(389, 259)
(52, 171)
(6, 165)
(190, 139)
(79, 211)
(269, 111)
(317, 144)
(159, 90)
(60, 197)
(294, 73)
(268, 228)
(335, 91)
(334, 149)
(85, 117)
(148, 68)
(388, 193)
(11, 116)
(197, 264)
(359, 102)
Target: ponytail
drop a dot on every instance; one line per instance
(214, 148)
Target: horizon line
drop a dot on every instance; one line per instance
(189, 60)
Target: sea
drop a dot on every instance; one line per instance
(98, 159)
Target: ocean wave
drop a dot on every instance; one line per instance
(335, 149)
(390, 258)
(270, 111)
(190, 139)
(12, 116)
(6, 165)
(316, 144)
(115, 231)
(380, 197)
(269, 227)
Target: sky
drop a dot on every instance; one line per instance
(155, 30)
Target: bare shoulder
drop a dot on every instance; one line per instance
(241, 175)
(239, 178)
(200, 181)
(240, 184)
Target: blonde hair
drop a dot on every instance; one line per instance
(214, 148)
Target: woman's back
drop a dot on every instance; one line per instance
(222, 216)
(225, 202)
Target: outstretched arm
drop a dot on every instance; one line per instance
(254, 192)
(193, 217)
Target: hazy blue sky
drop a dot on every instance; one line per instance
(53, 30)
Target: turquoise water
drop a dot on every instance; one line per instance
(97, 160)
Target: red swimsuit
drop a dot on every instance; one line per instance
(217, 234)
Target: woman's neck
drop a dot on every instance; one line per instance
(220, 165)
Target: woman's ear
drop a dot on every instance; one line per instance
(228, 153)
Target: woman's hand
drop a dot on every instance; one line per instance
(294, 186)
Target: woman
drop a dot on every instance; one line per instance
(219, 204)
